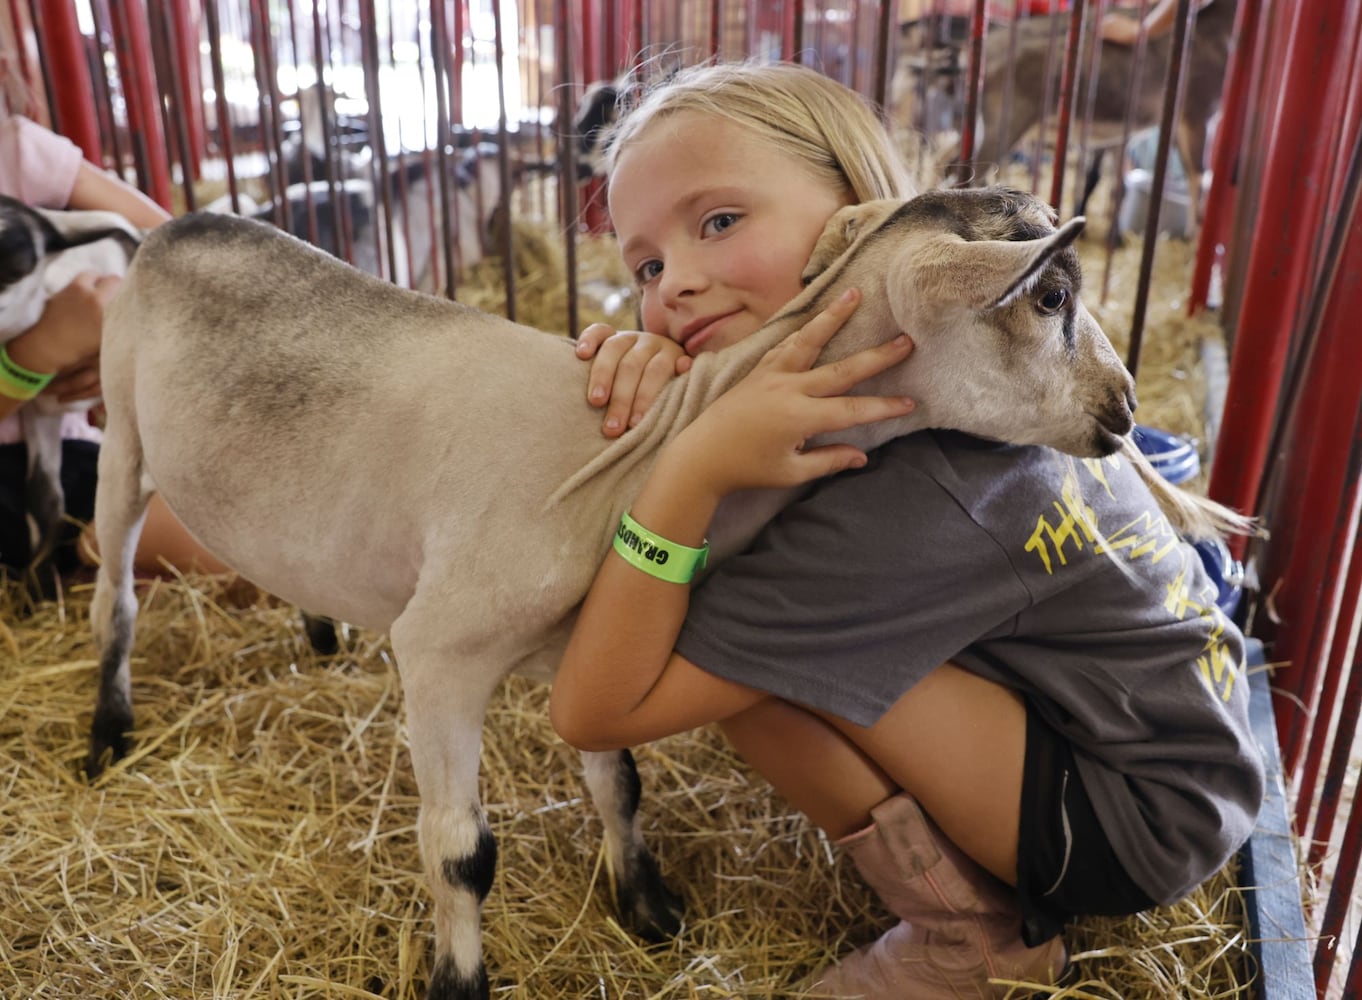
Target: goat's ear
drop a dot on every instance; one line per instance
(994, 273)
(842, 230)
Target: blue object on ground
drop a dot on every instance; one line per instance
(1176, 460)
(1173, 457)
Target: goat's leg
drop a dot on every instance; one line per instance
(321, 634)
(446, 706)
(1191, 146)
(44, 499)
(120, 509)
(646, 906)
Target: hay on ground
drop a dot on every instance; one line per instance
(260, 840)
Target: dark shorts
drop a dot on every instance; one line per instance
(1065, 864)
(79, 462)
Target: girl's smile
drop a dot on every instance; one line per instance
(716, 226)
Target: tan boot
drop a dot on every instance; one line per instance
(960, 926)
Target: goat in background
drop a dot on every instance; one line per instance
(41, 252)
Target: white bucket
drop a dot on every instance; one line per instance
(1175, 217)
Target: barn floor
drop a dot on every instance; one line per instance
(260, 841)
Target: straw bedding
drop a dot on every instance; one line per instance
(260, 840)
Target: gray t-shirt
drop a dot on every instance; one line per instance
(948, 547)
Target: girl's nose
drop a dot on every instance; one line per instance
(681, 277)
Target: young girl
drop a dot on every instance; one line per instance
(990, 671)
(46, 170)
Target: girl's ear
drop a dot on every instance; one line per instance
(843, 229)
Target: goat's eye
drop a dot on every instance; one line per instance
(1053, 301)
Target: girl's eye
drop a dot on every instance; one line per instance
(716, 224)
(1053, 301)
(647, 271)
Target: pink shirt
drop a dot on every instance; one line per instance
(39, 168)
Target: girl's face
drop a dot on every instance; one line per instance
(715, 225)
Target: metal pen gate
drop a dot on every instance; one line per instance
(388, 132)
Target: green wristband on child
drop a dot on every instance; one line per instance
(17, 382)
(656, 555)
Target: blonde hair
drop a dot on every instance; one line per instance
(812, 117)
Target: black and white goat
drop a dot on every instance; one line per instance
(41, 252)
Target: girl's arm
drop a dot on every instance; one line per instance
(65, 340)
(620, 683)
(97, 189)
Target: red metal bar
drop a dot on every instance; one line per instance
(1339, 670)
(442, 58)
(184, 18)
(45, 111)
(132, 49)
(796, 31)
(384, 248)
(1172, 99)
(1229, 138)
(592, 57)
(504, 165)
(639, 36)
(1269, 59)
(173, 117)
(978, 24)
(64, 53)
(1288, 213)
(220, 99)
(1118, 189)
(884, 26)
(456, 48)
(716, 13)
(1047, 98)
(1066, 92)
(613, 35)
(265, 108)
(1336, 914)
(108, 121)
(1094, 62)
(23, 28)
(567, 177)
(1311, 524)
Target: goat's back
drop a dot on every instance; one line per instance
(278, 393)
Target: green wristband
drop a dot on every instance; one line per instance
(657, 556)
(16, 381)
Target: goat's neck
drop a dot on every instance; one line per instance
(742, 515)
(714, 374)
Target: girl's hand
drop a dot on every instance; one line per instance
(67, 335)
(77, 383)
(753, 436)
(628, 370)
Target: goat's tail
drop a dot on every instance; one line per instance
(1194, 517)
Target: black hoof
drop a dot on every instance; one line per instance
(109, 743)
(646, 906)
(446, 983)
(321, 634)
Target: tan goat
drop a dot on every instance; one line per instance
(411, 465)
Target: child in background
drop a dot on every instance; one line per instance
(46, 170)
(990, 673)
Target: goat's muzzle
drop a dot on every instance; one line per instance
(1115, 421)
